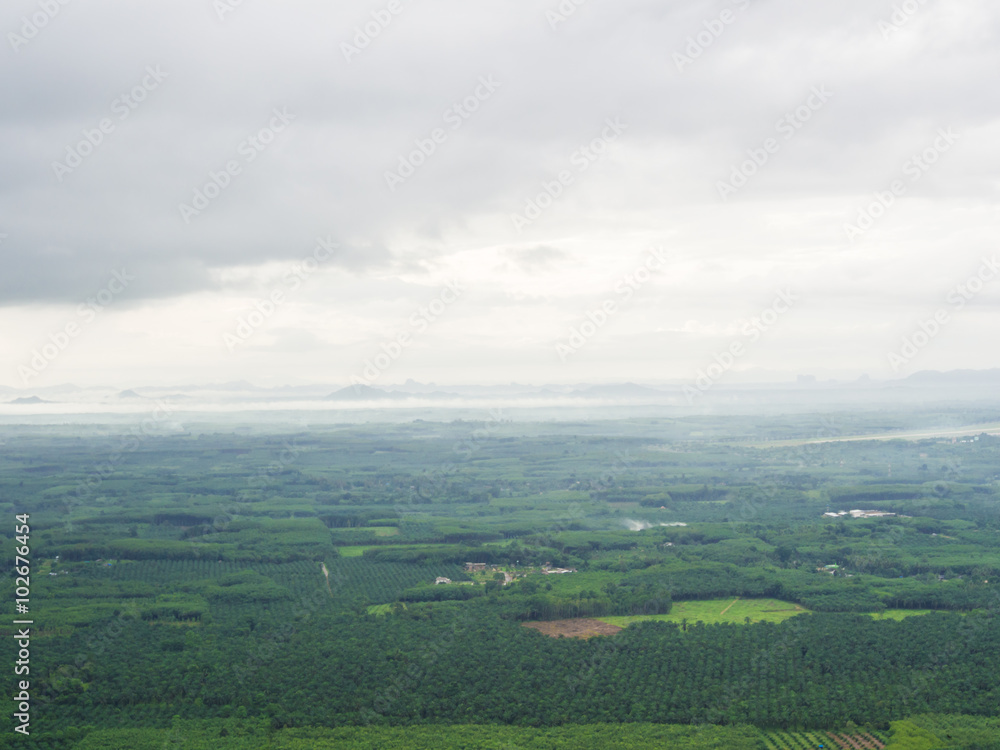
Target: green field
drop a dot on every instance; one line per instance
(352, 551)
(712, 611)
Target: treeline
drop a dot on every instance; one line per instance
(653, 496)
(529, 600)
(926, 732)
(460, 554)
(946, 732)
(820, 592)
(234, 734)
(470, 663)
(168, 549)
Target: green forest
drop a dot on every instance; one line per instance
(701, 582)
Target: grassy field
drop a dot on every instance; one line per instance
(575, 583)
(352, 551)
(713, 611)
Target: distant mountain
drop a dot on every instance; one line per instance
(233, 385)
(456, 390)
(364, 393)
(236, 385)
(954, 377)
(301, 390)
(129, 394)
(412, 386)
(30, 400)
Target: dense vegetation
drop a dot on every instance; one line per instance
(262, 590)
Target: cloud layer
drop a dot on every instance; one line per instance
(533, 152)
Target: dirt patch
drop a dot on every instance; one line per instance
(578, 628)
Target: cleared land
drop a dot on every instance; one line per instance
(712, 611)
(578, 628)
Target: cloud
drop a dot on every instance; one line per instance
(414, 94)
(534, 258)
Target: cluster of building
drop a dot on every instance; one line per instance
(547, 570)
(860, 514)
(474, 567)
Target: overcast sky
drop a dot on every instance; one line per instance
(178, 162)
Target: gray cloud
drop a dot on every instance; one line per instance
(324, 173)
